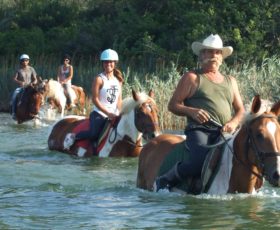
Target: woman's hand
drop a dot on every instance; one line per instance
(111, 116)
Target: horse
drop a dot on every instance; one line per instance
(138, 118)
(29, 102)
(249, 156)
(54, 92)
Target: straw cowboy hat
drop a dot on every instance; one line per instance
(212, 42)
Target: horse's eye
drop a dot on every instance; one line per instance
(259, 136)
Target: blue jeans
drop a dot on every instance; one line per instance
(196, 141)
(97, 123)
(15, 99)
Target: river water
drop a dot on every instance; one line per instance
(42, 189)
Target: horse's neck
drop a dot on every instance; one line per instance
(242, 178)
(126, 127)
(220, 183)
(56, 90)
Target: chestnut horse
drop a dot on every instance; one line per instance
(29, 103)
(251, 155)
(54, 92)
(138, 118)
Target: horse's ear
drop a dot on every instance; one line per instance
(135, 95)
(151, 93)
(256, 104)
(276, 108)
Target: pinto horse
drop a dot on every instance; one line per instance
(29, 103)
(251, 155)
(54, 92)
(124, 138)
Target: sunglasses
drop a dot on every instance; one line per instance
(66, 60)
(24, 60)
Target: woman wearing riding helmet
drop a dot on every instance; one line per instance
(106, 97)
(24, 76)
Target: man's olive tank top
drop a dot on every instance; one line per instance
(215, 98)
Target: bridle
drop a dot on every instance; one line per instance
(260, 155)
(137, 115)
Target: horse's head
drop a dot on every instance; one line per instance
(145, 113)
(30, 103)
(262, 134)
(35, 98)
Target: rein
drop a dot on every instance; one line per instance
(260, 176)
(114, 126)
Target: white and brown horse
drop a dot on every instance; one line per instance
(250, 156)
(124, 138)
(29, 103)
(54, 92)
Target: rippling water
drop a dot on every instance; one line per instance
(40, 189)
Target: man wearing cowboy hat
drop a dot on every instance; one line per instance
(206, 98)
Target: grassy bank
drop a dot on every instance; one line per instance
(263, 79)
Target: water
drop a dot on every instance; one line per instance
(42, 189)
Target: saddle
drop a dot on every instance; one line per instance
(200, 184)
(103, 136)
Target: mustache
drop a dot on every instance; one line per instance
(211, 60)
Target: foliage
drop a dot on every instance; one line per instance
(153, 39)
(252, 79)
(143, 32)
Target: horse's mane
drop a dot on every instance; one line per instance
(265, 108)
(129, 103)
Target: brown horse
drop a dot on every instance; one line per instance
(251, 155)
(124, 137)
(29, 103)
(56, 98)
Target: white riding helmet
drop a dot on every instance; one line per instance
(109, 55)
(24, 56)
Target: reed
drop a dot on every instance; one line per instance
(252, 79)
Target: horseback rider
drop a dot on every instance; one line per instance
(64, 77)
(106, 97)
(202, 95)
(24, 76)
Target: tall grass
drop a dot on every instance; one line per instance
(263, 79)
